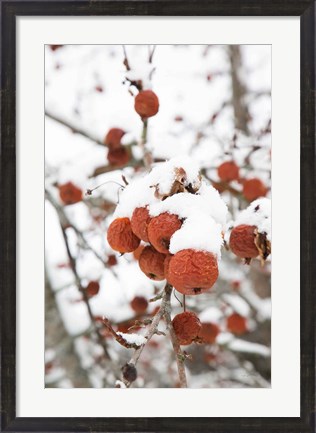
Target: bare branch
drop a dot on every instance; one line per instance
(65, 222)
(238, 90)
(152, 329)
(73, 128)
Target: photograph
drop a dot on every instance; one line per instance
(158, 231)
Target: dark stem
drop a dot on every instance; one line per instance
(82, 291)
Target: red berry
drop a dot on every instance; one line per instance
(139, 304)
(118, 156)
(112, 260)
(146, 104)
(228, 171)
(139, 221)
(209, 332)
(138, 251)
(186, 327)
(236, 324)
(167, 262)
(253, 189)
(70, 193)
(113, 138)
(192, 272)
(151, 262)
(93, 288)
(242, 241)
(160, 230)
(121, 237)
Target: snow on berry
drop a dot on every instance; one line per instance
(179, 172)
(159, 184)
(207, 200)
(216, 206)
(251, 235)
(198, 232)
(258, 214)
(138, 193)
(173, 192)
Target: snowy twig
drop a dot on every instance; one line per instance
(164, 311)
(151, 330)
(83, 292)
(65, 222)
(119, 336)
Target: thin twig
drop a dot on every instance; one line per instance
(73, 266)
(126, 63)
(148, 158)
(151, 53)
(180, 357)
(73, 128)
(64, 220)
(152, 330)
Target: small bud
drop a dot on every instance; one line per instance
(129, 372)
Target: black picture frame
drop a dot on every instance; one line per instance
(9, 11)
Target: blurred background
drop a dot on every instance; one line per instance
(215, 105)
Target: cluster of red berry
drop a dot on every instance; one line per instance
(146, 105)
(190, 271)
(252, 188)
(189, 328)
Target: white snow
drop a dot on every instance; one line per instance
(119, 384)
(258, 214)
(237, 303)
(216, 206)
(211, 315)
(239, 345)
(199, 232)
(136, 339)
(137, 194)
(163, 174)
(207, 201)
